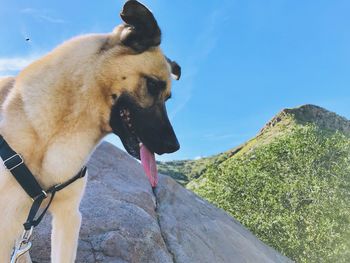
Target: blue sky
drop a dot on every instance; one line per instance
(242, 61)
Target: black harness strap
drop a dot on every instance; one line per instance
(31, 221)
(15, 164)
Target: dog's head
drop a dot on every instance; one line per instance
(136, 77)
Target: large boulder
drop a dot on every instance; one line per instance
(125, 221)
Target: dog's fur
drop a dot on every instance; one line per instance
(57, 110)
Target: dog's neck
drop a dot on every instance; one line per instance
(54, 121)
(52, 156)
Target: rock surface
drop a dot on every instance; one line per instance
(125, 221)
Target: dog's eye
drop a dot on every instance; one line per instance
(155, 86)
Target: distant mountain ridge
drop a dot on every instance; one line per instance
(309, 113)
(184, 171)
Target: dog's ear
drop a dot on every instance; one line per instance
(141, 30)
(175, 69)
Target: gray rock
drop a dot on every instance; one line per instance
(196, 231)
(125, 222)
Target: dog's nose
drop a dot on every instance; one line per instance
(171, 146)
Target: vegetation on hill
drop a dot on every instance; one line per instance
(293, 193)
(290, 185)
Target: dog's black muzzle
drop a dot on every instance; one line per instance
(154, 129)
(151, 126)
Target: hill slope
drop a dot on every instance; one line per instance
(185, 171)
(290, 185)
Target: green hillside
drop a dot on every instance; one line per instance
(290, 185)
(185, 171)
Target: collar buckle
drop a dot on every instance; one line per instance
(13, 162)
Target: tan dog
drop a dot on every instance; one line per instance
(57, 110)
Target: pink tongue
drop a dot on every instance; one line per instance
(149, 164)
